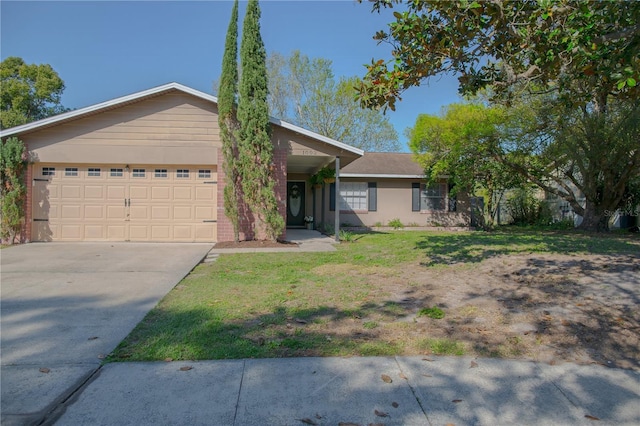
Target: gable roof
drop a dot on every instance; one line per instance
(384, 165)
(150, 93)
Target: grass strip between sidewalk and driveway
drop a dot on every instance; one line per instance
(364, 299)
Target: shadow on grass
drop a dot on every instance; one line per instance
(475, 247)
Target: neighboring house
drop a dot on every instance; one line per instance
(148, 167)
(379, 187)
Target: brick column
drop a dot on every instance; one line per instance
(25, 234)
(280, 175)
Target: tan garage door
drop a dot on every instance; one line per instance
(117, 203)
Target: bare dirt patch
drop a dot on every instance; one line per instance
(544, 307)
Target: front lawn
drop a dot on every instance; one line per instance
(501, 293)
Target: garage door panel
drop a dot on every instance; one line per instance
(160, 232)
(205, 193)
(182, 193)
(139, 193)
(205, 212)
(71, 191)
(205, 232)
(116, 192)
(182, 232)
(139, 232)
(116, 212)
(117, 232)
(71, 212)
(160, 213)
(71, 232)
(183, 213)
(139, 213)
(161, 193)
(94, 232)
(94, 212)
(94, 192)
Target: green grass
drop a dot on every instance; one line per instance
(435, 312)
(287, 304)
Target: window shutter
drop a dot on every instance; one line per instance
(332, 197)
(373, 196)
(415, 197)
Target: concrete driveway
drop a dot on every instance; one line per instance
(64, 306)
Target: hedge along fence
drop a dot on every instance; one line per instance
(13, 192)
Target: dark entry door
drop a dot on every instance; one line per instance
(295, 203)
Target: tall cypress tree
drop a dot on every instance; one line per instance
(254, 136)
(229, 125)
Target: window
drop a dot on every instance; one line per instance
(204, 174)
(116, 173)
(429, 198)
(360, 196)
(93, 171)
(160, 173)
(182, 173)
(353, 196)
(138, 173)
(48, 171)
(71, 171)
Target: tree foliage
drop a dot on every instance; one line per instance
(254, 134)
(229, 124)
(463, 143)
(305, 92)
(28, 92)
(13, 192)
(577, 62)
(582, 49)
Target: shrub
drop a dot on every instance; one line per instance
(347, 236)
(526, 209)
(396, 224)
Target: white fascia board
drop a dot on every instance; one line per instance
(380, 175)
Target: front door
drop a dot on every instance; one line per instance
(295, 203)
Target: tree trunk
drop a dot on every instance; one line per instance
(594, 219)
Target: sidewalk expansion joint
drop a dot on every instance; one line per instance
(57, 408)
(413, 391)
(235, 414)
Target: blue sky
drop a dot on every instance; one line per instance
(106, 49)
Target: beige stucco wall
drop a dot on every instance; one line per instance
(394, 202)
(180, 128)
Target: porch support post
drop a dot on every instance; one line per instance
(337, 201)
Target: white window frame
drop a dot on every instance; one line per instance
(116, 172)
(138, 173)
(182, 173)
(48, 171)
(94, 172)
(429, 196)
(354, 196)
(71, 172)
(161, 173)
(204, 174)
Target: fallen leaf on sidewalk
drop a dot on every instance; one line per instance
(426, 375)
(473, 364)
(455, 401)
(308, 421)
(394, 404)
(101, 356)
(386, 378)
(380, 413)
(92, 338)
(186, 368)
(427, 359)
(590, 417)
(168, 359)
(44, 370)
(402, 376)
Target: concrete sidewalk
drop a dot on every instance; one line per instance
(354, 391)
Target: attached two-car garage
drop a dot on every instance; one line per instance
(74, 202)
